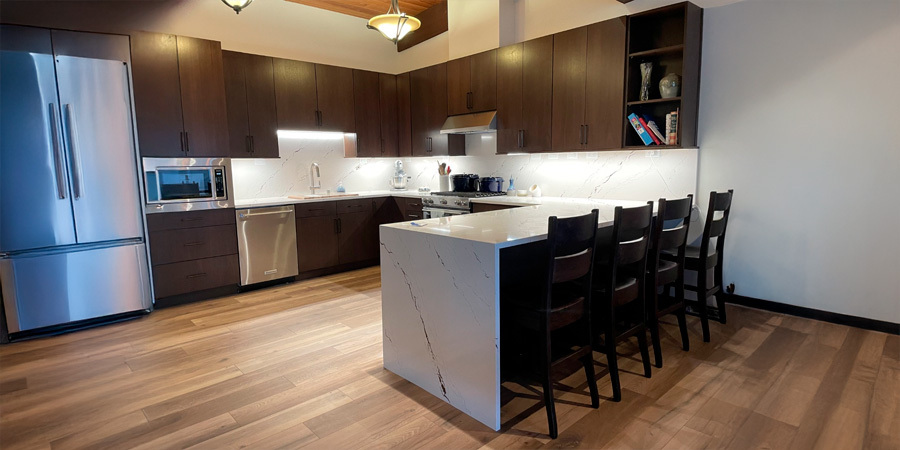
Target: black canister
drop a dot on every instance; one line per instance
(466, 182)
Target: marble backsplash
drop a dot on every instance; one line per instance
(623, 175)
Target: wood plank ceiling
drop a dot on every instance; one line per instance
(366, 9)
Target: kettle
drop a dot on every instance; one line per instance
(398, 181)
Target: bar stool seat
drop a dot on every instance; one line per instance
(667, 272)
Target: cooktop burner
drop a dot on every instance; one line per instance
(468, 194)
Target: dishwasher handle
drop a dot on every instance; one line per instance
(267, 213)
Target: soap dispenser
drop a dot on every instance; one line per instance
(340, 187)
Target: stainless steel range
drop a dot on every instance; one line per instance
(451, 203)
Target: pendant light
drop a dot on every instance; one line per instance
(395, 24)
(237, 5)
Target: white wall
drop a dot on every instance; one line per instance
(799, 115)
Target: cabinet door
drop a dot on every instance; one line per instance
(295, 94)
(537, 98)
(483, 84)
(157, 94)
(260, 76)
(233, 65)
(569, 50)
(334, 90)
(387, 85)
(605, 85)
(317, 242)
(202, 97)
(404, 124)
(428, 109)
(367, 98)
(509, 98)
(458, 83)
(355, 238)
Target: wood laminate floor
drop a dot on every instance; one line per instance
(299, 365)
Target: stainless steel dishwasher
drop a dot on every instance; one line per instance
(267, 243)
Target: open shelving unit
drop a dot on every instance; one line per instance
(670, 38)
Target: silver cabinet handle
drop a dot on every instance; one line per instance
(71, 125)
(57, 153)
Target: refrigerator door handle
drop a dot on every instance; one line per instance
(73, 151)
(57, 153)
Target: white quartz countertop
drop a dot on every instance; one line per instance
(514, 226)
(275, 201)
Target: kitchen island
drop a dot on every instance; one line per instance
(440, 290)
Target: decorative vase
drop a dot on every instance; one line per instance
(669, 86)
(646, 70)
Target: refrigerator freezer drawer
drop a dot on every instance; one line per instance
(53, 289)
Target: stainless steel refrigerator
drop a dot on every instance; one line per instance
(72, 240)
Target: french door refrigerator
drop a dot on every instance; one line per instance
(72, 241)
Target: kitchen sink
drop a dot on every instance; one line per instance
(313, 196)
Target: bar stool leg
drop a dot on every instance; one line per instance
(682, 320)
(588, 362)
(645, 352)
(653, 324)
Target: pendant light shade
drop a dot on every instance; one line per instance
(237, 5)
(394, 25)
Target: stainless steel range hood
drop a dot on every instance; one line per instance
(482, 122)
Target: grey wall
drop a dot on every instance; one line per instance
(799, 114)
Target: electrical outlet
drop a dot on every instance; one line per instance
(552, 156)
(571, 155)
(653, 153)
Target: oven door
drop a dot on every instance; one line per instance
(433, 213)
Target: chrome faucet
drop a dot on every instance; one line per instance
(315, 178)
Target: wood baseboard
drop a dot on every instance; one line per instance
(810, 313)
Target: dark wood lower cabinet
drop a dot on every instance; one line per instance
(193, 251)
(317, 242)
(354, 240)
(197, 275)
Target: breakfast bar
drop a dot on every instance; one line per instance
(440, 295)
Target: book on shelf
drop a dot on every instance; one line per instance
(641, 131)
(649, 131)
(651, 125)
(672, 127)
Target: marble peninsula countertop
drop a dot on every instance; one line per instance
(514, 226)
(276, 201)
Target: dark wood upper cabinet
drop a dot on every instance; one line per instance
(509, 97)
(428, 110)
(367, 98)
(260, 75)
(157, 94)
(525, 96)
(404, 120)
(605, 85)
(202, 97)
(387, 87)
(483, 84)
(472, 83)
(459, 73)
(334, 91)
(588, 86)
(295, 95)
(250, 102)
(569, 66)
(179, 93)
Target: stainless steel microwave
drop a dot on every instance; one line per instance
(187, 184)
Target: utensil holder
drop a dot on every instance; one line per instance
(443, 183)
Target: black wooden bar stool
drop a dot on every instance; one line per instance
(619, 285)
(711, 259)
(670, 231)
(563, 306)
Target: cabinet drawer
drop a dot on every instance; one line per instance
(413, 203)
(189, 219)
(196, 275)
(355, 205)
(412, 215)
(171, 246)
(315, 209)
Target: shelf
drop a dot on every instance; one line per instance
(654, 100)
(658, 51)
(650, 147)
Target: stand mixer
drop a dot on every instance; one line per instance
(398, 181)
